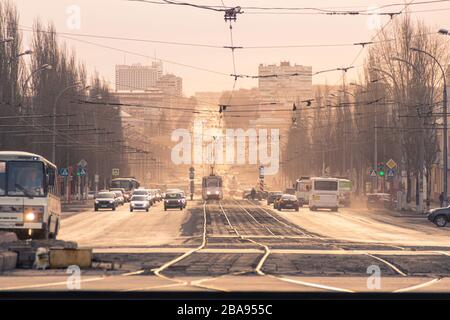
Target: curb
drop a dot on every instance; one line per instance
(8, 260)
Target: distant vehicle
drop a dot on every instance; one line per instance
(126, 195)
(29, 199)
(129, 184)
(276, 200)
(119, 197)
(212, 187)
(380, 201)
(173, 200)
(91, 195)
(246, 194)
(288, 201)
(290, 191)
(272, 195)
(139, 203)
(106, 200)
(345, 191)
(302, 190)
(440, 216)
(324, 194)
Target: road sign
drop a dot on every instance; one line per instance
(82, 163)
(64, 172)
(261, 172)
(372, 173)
(391, 164)
(391, 173)
(115, 171)
(82, 172)
(96, 178)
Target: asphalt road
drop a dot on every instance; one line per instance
(239, 245)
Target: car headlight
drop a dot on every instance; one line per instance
(30, 216)
(111, 201)
(96, 201)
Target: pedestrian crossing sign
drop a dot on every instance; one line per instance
(391, 173)
(372, 173)
(64, 172)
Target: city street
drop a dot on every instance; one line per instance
(240, 245)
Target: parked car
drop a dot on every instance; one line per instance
(440, 216)
(288, 201)
(105, 200)
(173, 200)
(276, 201)
(272, 195)
(139, 202)
(119, 197)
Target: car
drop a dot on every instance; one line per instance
(276, 200)
(91, 195)
(272, 195)
(246, 194)
(380, 201)
(439, 216)
(183, 199)
(139, 202)
(288, 201)
(125, 194)
(119, 197)
(173, 200)
(105, 200)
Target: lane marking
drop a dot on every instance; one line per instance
(419, 286)
(267, 228)
(266, 248)
(388, 264)
(153, 287)
(313, 285)
(282, 222)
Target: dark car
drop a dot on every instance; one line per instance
(272, 195)
(288, 201)
(173, 201)
(106, 200)
(440, 216)
(276, 200)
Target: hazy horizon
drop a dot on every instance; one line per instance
(139, 20)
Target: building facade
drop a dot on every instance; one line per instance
(137, 77)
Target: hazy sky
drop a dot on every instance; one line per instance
(121, 18)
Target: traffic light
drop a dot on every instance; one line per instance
(381, 169)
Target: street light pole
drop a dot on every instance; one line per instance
(445, 134)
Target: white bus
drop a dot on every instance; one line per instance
(29, 201)
(324, 194)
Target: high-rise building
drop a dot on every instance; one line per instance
(137, 77)
(170, 85)
(284, 83)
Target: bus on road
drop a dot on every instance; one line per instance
(324, 194)
(29, 199)
(129, 184)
